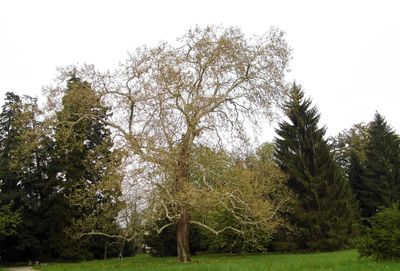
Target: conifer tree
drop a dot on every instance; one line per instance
(380, 178)
(354, 173)
(324, 213)
(11, 110)
(22, 176)
(8, 181)
(85, 169)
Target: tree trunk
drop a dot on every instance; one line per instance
(182, 235)
(182, 238)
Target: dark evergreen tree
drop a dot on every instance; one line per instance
(354, 171)
(83, 162)
(11, 110)
(22, 174)
(324, 213)
(8, 181)
(379, 182)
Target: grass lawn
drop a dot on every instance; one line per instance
(343, 261)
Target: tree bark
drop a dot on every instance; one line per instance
(182, 234)
(182, 238)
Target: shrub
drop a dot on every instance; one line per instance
(380, 237)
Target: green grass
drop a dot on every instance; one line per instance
(343, 261)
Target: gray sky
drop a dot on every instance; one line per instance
(346, 54)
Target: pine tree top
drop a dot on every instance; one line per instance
(300, 113)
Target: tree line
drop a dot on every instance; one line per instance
(156, 153)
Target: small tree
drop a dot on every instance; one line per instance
(324, 213)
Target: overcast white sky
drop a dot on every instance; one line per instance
(346, 54)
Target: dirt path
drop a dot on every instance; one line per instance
(22, 268)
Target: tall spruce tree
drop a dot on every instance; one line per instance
(324, 213)
(379, 181)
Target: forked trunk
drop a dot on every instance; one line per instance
(182, 238)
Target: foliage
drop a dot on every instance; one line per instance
(57, 175)
(23, 161)
(244, 195)
(86, 171)
(260, 169)
(350, 145)
(350, 152)
(333, 261)
(379, 183)
(8, 220)
(324, 214)
(379, 239)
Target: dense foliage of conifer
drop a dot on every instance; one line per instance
(379, 181)
(324, 213)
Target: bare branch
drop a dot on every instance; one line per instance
(107, 235)
(164, 227)
(216, 232)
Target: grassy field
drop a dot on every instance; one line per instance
(343, 261)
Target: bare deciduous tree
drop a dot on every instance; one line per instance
(169, 99)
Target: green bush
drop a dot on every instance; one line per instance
(380, 237)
